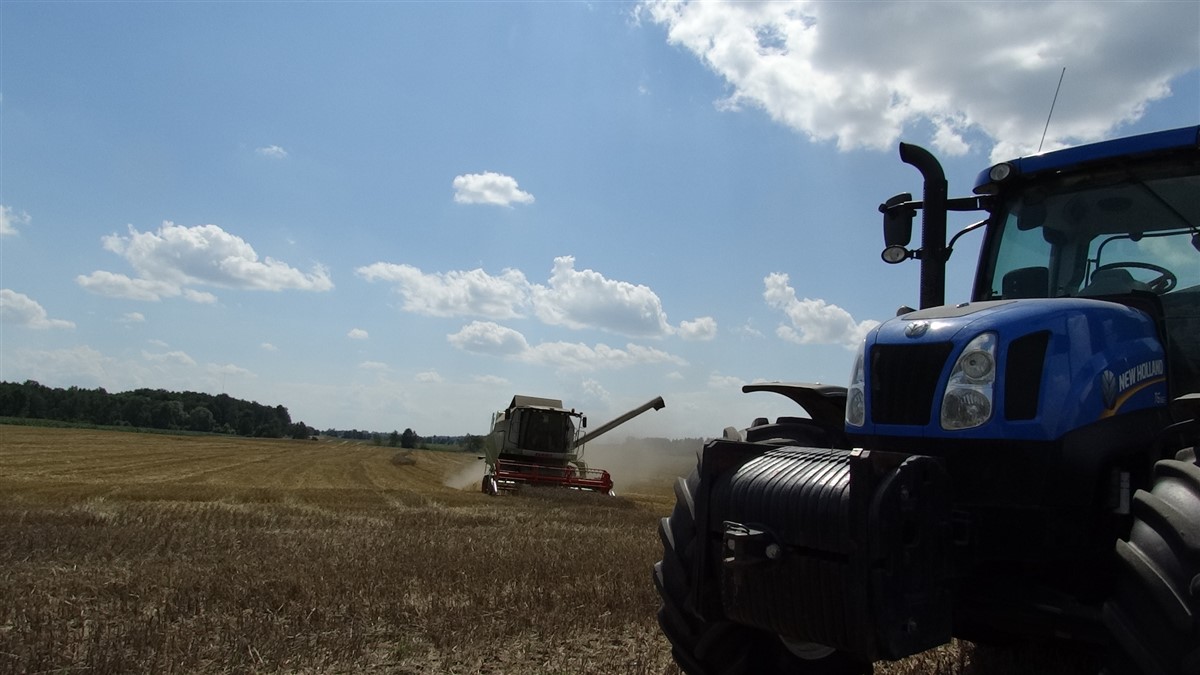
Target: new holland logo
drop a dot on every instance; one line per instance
(1116, 388)
(1108, 388)
(916, 329)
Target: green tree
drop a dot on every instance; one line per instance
(409, 439)
(200, 419)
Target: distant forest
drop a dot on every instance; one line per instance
(223, 414)
(151, 409)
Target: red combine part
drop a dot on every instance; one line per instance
(509, 475)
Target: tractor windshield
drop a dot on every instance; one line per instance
(546, 431)
(1101, 234)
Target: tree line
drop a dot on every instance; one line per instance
(150, 408)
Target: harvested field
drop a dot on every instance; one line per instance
(126, 552)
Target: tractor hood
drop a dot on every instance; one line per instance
(1055, 365)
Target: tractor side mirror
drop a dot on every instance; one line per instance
(898, 214)
(897, 220)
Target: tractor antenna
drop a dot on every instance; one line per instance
(1056, 89)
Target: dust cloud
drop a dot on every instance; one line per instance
(644, 461)
(632, 463)
(470, 475)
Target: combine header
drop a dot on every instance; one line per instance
(536, 441)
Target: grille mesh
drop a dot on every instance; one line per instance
(903, 379)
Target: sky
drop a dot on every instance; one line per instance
(390, 215)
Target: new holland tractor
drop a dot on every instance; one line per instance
(536, 441)
(1017, 468)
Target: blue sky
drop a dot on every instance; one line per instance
(399, 214)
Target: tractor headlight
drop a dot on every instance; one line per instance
(856, 398)
(967, 402)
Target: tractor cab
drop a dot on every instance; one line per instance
(1127, 232)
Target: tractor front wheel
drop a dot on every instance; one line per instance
(702, 647)
(1154, 613)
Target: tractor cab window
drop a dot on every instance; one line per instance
(546, 431)
(1103, 234)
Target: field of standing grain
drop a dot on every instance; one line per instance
(126, 552)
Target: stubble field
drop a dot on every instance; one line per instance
(126, 552)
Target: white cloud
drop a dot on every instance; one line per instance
(80, 366)
(812, 321)
(268, 347)
(862, 76)
(428, 377)
(719, 381)
(374, 365)
(272, 151)
(177, 358)
(576, 299)
(586, 299)
(170, 261)
(84, 366)
(595, 393)
(21, 310)
(357, 334)
(9, 220)
(703, 328)
(489, 188)
(457, 293)
(133, 317)
(485, 337)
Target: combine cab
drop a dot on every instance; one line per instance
(536, 441)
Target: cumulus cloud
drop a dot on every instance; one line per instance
(268, 347)
(704, 328)
(9, 220)
(272, 151)
(456, 293)
(21, 310)
(428, 377)
(486, 337)
(862, 76)
(576, 299)
(169, 262)
(586, 299)
(812, 321)
(133, 317)
(489, 188)
(357, 334)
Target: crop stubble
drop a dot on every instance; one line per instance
(126, 552)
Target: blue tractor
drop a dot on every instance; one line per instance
(1018, 467)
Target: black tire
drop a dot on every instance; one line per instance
(1154, 613)
(489, 487)
(721, 647)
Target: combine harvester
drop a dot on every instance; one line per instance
(535, 441)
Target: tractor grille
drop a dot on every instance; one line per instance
(903, 378)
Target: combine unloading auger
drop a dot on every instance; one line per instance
(536, 441)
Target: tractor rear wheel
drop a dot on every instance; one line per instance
(1154, 613)
(721, 647)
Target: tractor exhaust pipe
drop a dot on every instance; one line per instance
(933, 252)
